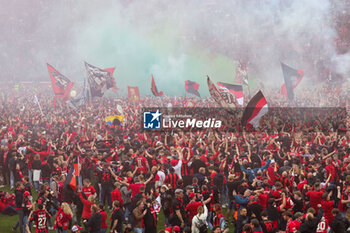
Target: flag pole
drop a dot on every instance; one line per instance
(37, 102)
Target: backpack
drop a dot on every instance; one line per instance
(269, 225)
(218, 180)
(202, 226)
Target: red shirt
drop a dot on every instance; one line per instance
(141, 163)
(271, 173)
(322, 226)
(297, 224)
(87, 207)
(192, 208)
(291, 227)
(327, 207)
(88, 190)
(117, 196)
(135, 189)
(331, 170)
(62, 219)
(315, 198)
(104, 218)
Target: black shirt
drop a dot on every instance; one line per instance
(94, 223)
(196, 164)
(117, 215)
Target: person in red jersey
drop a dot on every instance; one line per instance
(298, 216)
(327, 205)
(316, 195)
(116, 194)
(291, 227)
(63, 219)
(192, 207)
(323, 226)
(40, 217)
(88, 189)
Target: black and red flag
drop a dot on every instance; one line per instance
(236, 90)
(256, 108)
(71, 179)
(99, 80)
(192, 87)
(292, 78)
(154, 89)
(61, 85)
(73, 174)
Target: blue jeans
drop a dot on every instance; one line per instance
(106, 191)
(37, 185)
(52, 212)
(30, 176)
(12, 179)
(103, 230)
(80, 181)
(127, 212)
(61, 231)
(139, 230)
(26, 223)
(223, 195)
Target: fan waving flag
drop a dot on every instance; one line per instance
(154, 89)
(71, 179)
(256, 108)
(192, 87)
(99, 80)
(236, 90)
(61, 85)
(292, 78)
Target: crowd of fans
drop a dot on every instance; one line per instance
(283, 177)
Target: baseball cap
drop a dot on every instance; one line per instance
(76, 228)
(173, 162)
(192, 195)
(26, 193)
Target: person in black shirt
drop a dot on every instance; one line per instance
(106, 184)
(117, 218)
(19, 205)
(95, 221)
(179, 209)
(196, 164)
(254, 208)
(150, 219)
(45, 171)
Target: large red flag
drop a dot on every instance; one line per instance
(61, 85)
